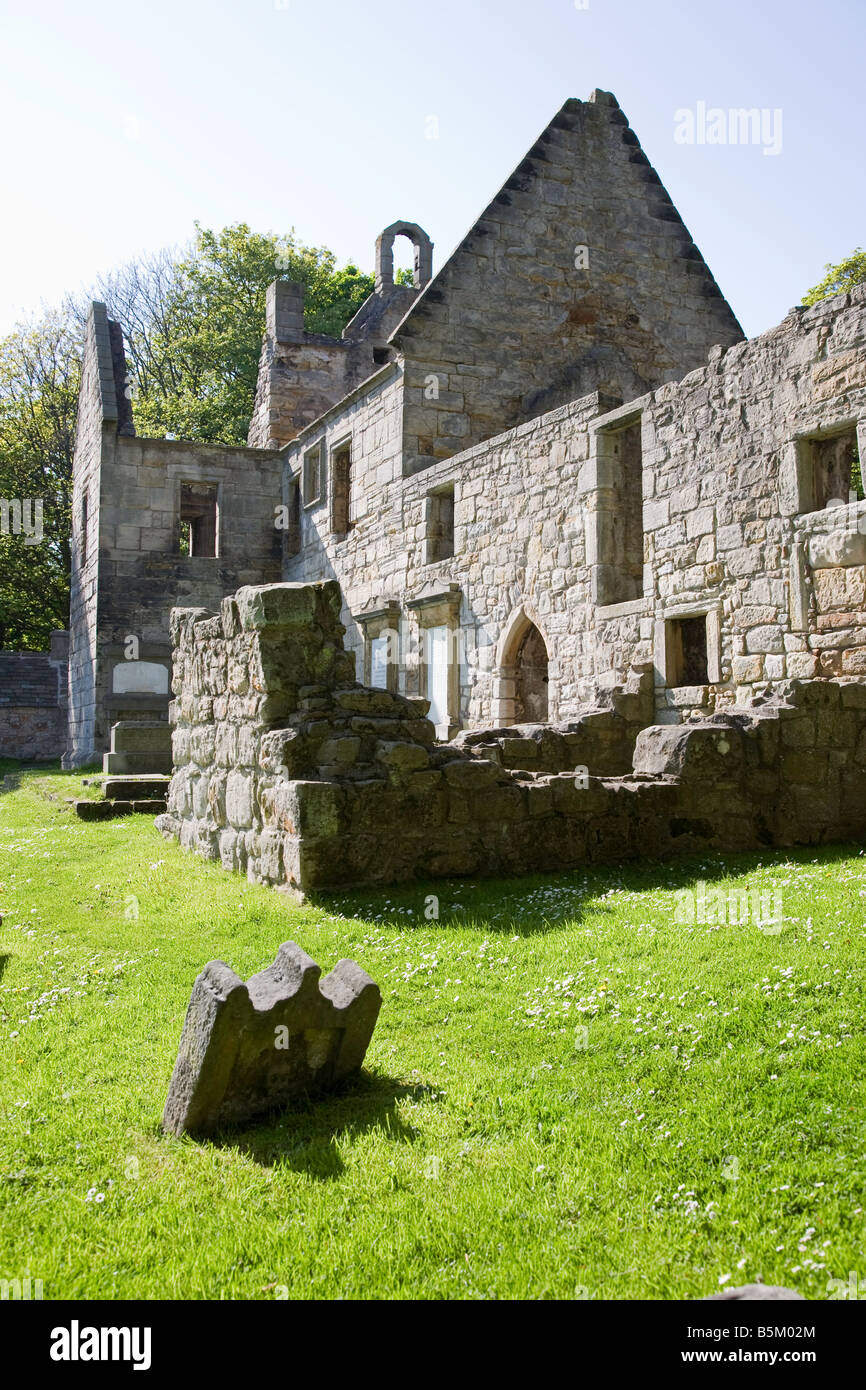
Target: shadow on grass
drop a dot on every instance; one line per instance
(4, 961)
(536, 903)
(306, 1136)
(10, 775)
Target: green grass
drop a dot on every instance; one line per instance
(708, 1123)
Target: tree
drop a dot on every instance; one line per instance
(839, 278)
(39, 375)
(193, 321)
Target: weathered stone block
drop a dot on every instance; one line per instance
(239, 800)
(470, 775)
(400, 759)
(248, 1049)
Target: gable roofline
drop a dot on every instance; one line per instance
(664, 205)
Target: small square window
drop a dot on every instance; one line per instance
(829, 470)
(198, 519)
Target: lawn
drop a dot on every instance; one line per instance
(569, 1094)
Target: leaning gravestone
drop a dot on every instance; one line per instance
(247, 1049)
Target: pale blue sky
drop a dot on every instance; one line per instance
(124, 122)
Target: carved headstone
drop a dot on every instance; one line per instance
(247, 1049)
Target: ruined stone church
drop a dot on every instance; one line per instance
(550, 475)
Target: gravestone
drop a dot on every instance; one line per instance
(249, 1049)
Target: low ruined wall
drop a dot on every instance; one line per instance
(289, 770)
(33, 703)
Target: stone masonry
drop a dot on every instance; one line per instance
(288, 769)
(33, 702)
(546, 478)
(247, 1049)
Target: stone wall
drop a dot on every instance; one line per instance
(128, 568)
(289, 770)
(301, 374)
(33, 702)
(101, 415)
(728, 525)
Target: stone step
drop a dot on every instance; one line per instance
(137, 764)
(107, 810)
(135, 788)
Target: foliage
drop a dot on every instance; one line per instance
(39, 374)
(839, 278)
(194, 325)
(193, 322)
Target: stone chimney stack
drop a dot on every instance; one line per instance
(285, 311)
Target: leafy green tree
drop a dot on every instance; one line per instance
(839, 278)
(193, 322)
(39, 376)
(194, 325)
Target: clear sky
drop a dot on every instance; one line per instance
(124, 122)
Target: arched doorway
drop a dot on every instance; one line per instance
(531, 679)
(523, 693)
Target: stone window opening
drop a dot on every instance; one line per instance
(293, 520)
(311, 476)
(830, 469)
(524, 690)
(422, 248)
(435, 618)
(619, 514)
(342, 510)
(687, 651)
(531, 679)
(83, 539)
(381, 629)
(439, 527)
(198, 520)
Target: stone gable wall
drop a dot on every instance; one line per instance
(514, 324)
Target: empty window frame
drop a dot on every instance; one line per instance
(381, 660)
(293, 517)
(199, 519)
(439, 544)
(687, 651)
(312, 470)
(620, 518)
(437, 642)
(83, 536)
(342, 508)
(829, 469)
